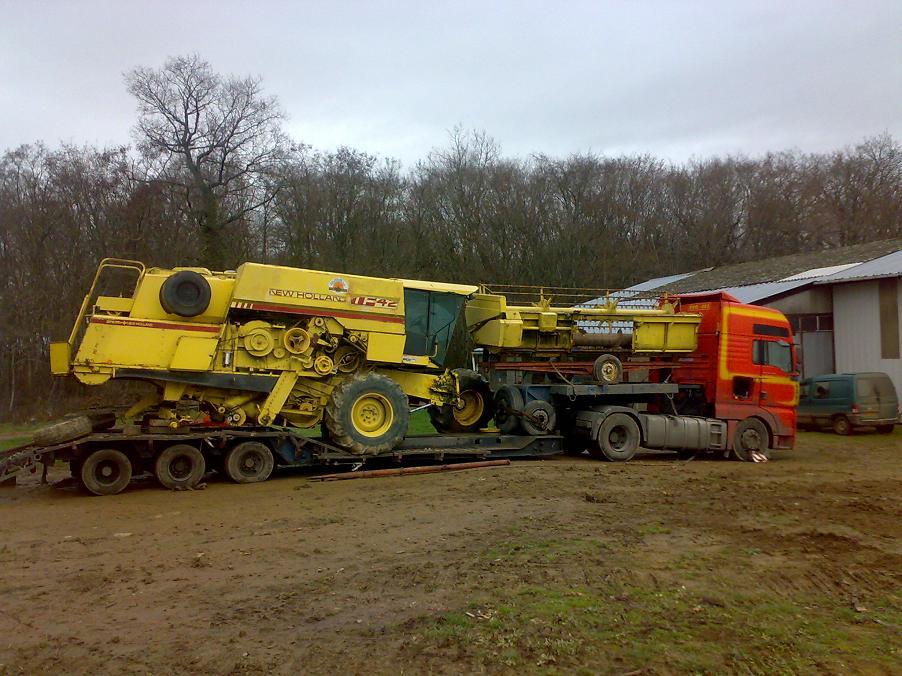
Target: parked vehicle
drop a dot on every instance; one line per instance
(846, 401)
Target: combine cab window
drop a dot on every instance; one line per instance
(429, 318)
(773, 353)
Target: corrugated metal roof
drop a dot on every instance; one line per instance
(752, 293)
(885, 266)
(821, 272)
(662, 281)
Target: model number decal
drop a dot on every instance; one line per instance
(375, 302)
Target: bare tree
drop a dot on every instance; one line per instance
(219, 139)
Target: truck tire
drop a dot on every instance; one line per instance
(751, 437)
(886, 429)
(508, 402)
(539, 418)
(618, 438)
(476, 411)
(106, 471)
(249, 462)
(186, 294)
(179, 467)
(841, 425)
(607, 370)
(63, 431)
(368, 415)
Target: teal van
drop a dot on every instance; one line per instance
(845, 401)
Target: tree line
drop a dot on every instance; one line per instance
(213, 180)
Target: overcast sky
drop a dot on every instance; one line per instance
(675, 79)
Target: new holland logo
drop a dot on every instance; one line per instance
(339, 285)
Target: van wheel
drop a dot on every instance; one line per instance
(106, 471)
(751, 437)
(885, 429)
(249, 462)
(618, 438)
(841, 425)
(180, 467)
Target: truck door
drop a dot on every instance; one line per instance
(775, 359)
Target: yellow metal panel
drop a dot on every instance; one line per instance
(386, 347)
(116, 341)
(114, 304)
(415, 385)
(194, 354)
(147, 299)
(59, 358)
(547, 321)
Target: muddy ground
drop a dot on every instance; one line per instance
(654, 566)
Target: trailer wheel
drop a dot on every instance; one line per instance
(751, 437)
(608, 369)
(475, 409)
(106, 471)
(508, 402)
(618, 438)
(186, 294)
(249, 462)
(538, 418)
(179, 467)
(368, 415)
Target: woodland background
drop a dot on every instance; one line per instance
(213, 180)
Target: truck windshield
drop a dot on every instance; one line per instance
(429, 318)
(776, 353)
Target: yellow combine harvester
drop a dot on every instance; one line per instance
(267, 345)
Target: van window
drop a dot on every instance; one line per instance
(772, 353)
(874, 385)
(822, 390)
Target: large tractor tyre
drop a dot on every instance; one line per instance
(368, 415)
(841, 425)
(63, 431)
(607, 370)
(105, 472)
(618, 438)
(180, 467)
(539, 418)
(474, 411)
(751, 439)
(249, 462)
(186, 294)
(508, 403)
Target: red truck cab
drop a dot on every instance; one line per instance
(744, 371)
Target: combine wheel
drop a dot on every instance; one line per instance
(249, 462)
(368, 415)
(106, 471)
(608, 370)
(618, 438)
(538, 418)
(179, 467)
(474, 409)
(508, 402)
(751, 438)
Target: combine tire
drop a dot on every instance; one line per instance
(180, 467)
(751, 438)
(63, 431)
(186, 294)
(105, 472)
(538, 418)
(249, 462)
(608, 370)
(476, 405)
(508, 402)
(618, 438)
(368, 415)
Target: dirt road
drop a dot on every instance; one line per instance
(560, 565)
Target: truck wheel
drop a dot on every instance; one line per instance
(885, 429)
(618, 438)
(538, 418)
(841, 425)
(475, 409)
(249, 462)
(63, 431)
(368, 415)
(106, 471)
(608, 369)
(186, 294)
(180, 467)
(508, 402)
(751, 437)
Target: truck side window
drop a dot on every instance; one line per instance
(776, 353)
